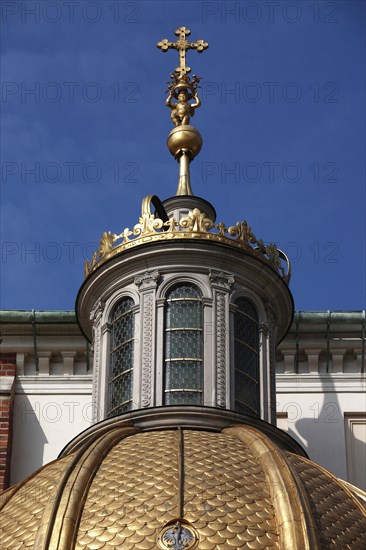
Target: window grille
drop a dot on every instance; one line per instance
(121, 359)
(246, 357)
(183, 358)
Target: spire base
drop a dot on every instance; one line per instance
(179, 206)
(184, 183)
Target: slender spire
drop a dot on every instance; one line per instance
(184, 141)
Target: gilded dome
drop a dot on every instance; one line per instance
(181, 489)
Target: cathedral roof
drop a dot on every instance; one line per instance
(181, 489)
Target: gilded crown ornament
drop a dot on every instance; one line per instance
(196, 225)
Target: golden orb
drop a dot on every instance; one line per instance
(184, 138)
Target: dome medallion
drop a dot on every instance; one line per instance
(178, 535)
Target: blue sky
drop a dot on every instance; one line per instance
(84, 125)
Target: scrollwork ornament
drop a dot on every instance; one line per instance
(147, 224)
(106, 244)
(241, 231)
(273, 256)
(197, 221)
(96, 311)
(222, 229)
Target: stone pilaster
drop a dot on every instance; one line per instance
(69, 358)
(221, 283)
(20, 362)
(271, 367)
(337, 360)
(44, 362)
(96, 317)
(288, 360)
(147, 284)
(313, 360)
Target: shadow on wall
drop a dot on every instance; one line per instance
(323, 433)
(30, 438)
(320, 428)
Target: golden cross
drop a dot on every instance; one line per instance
(182, 45)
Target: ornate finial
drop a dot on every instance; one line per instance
(184, 142)
(182, 89)
(182, 45)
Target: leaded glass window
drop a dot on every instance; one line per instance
(183, 375)
(246, 348)
(121, 359)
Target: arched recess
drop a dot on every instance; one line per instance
(183, 345)
(115, 297)
(199, 280)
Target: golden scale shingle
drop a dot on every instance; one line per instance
(21, 513)
(132, 494)
(339, 516)
(240, 490)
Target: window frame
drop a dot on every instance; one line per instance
(253, 408)
(111, 411)
(168, 330)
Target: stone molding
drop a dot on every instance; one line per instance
(56, 384)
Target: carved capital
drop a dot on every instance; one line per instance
(97, 311)
(148, 280)
(221, 279)
(271, 315)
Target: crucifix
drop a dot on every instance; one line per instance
(182, 45)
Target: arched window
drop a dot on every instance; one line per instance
(121, 363)
(183, 369)
(246, 357)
